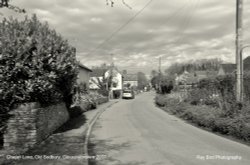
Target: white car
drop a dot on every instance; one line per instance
(128, 94)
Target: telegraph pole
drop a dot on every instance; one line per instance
(159, 64)
(160, 75)
(239, 43)
(111, 75)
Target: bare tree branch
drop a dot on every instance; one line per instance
(123, 1)
(111, 3)
(5, 3)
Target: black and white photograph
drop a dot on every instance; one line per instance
(124, 82)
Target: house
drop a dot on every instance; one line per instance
(246, 63)
(186, 78)
(200, 74)
(130, 80)
(226, 69)
(205, 74)
(83, 75)
(98, 75)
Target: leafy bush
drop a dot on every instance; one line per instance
(236, 124)
(247, 86)
(161, 100)
(216, 92)
(36, 64)
(103, 92)
(85, 102)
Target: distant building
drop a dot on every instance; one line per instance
(97, 76)
(83, 75)
(226, 69)
(205, 74)
(200, 75)
(246, 63)
(130, 80)
(186, 78)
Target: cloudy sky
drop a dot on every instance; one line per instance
(138, 35)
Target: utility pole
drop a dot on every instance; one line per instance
(239, 43)
(160, 65)
(111, 75)
(160, 75)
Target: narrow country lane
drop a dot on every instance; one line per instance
(136, 132)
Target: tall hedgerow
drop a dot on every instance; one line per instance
(36, 64)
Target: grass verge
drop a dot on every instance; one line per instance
(211, 118)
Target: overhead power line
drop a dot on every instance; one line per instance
(121, 27)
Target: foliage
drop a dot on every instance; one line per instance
(5, 3)
(36, 64)
(163, 84)
(213, 118)
(155, 81)
(102, 83)
(216, 92)
(83, 88)
(85, 102)
(142, 80)
(203, 64)
(247, 86)
(117, 94)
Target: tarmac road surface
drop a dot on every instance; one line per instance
(136, 132)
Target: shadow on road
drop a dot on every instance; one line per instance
(73, 123)
(103, 148)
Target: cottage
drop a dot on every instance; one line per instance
(83, 75)
(130, 80)
(98, 75)
(186, 78)
(205, 74)
(226, 69)
(246, 63)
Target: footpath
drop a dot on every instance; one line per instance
(66, 146)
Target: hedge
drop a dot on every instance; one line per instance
(36, 64)
(213, 118)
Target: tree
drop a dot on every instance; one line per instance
(111, 3)
(36, 64)
(142, 80)
(202, 64)
(5, 3)
(154, 73)
(166, 84)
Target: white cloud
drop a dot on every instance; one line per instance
(178, 30)
(96, 20)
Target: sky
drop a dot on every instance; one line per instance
(135, 35)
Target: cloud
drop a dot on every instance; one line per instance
(176, 30)
(96, 20)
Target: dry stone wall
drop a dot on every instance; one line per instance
(31, 124)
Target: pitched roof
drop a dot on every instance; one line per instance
(247, 63)
(191, 80)
(228, 68)
(187, 77)
(201, 72)
(130, 77)
(98, 72)
(84, 67)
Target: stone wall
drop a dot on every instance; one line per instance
(31, 124)
(102, 100)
